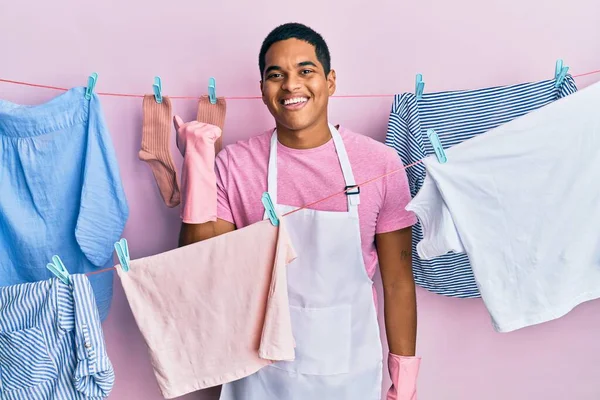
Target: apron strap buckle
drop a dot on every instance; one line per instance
(352, 187)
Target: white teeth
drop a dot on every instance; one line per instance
(295, 100)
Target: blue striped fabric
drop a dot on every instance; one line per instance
(457, 116)
(51, 342)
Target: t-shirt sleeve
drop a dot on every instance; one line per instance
(440, 235)
(224, 211)
(396, 195)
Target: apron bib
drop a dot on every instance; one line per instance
(334, 322)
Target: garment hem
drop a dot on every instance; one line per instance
(212, 382)
(402, 224)
(555, 313)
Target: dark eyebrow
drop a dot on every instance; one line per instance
(272, 68)
(307, 63)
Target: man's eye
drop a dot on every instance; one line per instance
(306, 71)
(274, 76)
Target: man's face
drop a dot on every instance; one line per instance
(294, 86)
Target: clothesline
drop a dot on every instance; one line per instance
(256, 97)
(317, 201)
(226, 97)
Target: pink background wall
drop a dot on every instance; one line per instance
(377, 47)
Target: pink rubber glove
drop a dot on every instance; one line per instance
(403, 371)
(196, 143)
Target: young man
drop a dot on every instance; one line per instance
(339, 241)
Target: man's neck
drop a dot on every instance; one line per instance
(308, 138)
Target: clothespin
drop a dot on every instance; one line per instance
(419, 86)
(212, 91)
(560, 72)
(269, 208)
(437, 146)
(123, 253)
(93, 78)
(157, 89)
(58, 268)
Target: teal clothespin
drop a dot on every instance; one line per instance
(269, 208)
(123, 253)
(212, 91)
(437, 146)
(419, 86)
(560, 72)
(93, 78)
(58, 268)
(157, 89)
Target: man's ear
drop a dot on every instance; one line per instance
(262, 94)
(331, 82)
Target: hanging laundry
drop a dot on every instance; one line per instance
(213, 114)
(51, 342)
(457, 116)
(196, 143)
(61, 191)
(522, 201)
(214, 311)
(156, 147)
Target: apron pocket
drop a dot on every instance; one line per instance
(322, 338)
(24, 360)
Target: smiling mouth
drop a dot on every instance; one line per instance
(294, 103)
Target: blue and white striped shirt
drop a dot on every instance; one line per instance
(51, 342)
(457, 116)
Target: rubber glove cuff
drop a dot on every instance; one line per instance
(404, 371)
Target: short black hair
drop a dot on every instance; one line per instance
(294, 30)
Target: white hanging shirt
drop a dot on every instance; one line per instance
(523, 201)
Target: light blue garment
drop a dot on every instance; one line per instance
(51, 342)
(457, 116)
(60, 191)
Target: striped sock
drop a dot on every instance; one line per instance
(156, 150)
(213, 114)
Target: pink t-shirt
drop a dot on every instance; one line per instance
(308, 175)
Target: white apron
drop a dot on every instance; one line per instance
(334, 322)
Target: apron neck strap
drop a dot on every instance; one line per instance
(353, 199)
